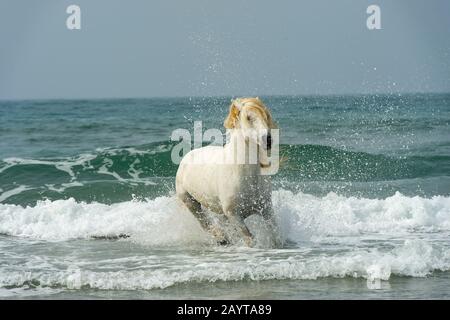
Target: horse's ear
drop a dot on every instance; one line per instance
(231, 119)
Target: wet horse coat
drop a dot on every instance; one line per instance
(206, 176)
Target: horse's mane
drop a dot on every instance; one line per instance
(253, 103)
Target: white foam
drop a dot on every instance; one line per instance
(159, 221)
(5, 195)
(414, 258)
(301, 217)
(133, 151)
(64, 165)
(307, 219)
(64, 186)
(7, 166)
(107, 163)
(135, 174)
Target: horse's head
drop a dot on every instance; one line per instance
(254, 119)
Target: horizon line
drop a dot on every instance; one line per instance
(399, 93)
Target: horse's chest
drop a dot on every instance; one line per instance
(253, 196)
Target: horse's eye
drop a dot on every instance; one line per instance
(249, 118)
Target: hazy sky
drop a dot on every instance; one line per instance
(151, 48)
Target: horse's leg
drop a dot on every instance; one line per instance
(269, 218)
(238, 222)
(196, 208)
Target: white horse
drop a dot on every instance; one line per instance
(226, 180)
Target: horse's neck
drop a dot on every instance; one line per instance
(239, 149)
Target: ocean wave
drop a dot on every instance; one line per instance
(304, 214)
(334, 236)
(413, 258)
(112, 175)
(164, 221)
(137, 163)
(160, 220)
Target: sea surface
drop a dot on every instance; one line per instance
(87, 206)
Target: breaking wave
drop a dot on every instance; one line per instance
(344, 228)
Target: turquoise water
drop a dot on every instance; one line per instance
(363, 197)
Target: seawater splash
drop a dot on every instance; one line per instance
(411, 258)
(163, 221)
(331, 236)
(362, 194)
(156, 222)
(115, 174)
(335, 215)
